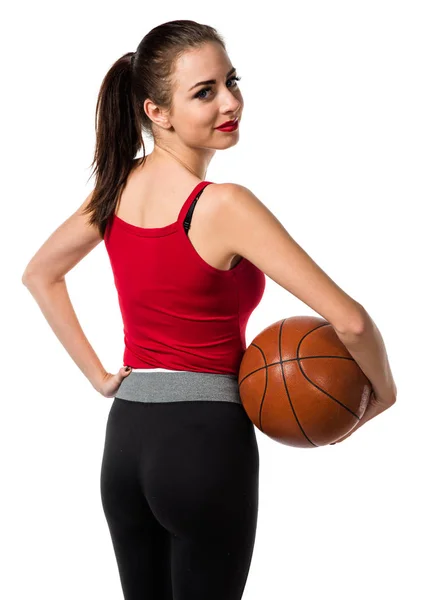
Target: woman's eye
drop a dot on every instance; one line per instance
(235, 79)
(208, 89)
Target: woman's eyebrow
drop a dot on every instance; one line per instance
(211, 80)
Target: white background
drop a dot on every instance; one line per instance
(330, 141)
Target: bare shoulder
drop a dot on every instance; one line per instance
(236, 209)
(227, 196)
(236, 198)
(246, 226)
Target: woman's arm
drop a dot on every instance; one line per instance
(247, 227)
(54, 302)
(368, 350)
(44, 276)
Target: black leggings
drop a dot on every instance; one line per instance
(179, 488)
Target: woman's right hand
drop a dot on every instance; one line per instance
(110, 384)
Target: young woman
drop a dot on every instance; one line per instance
(180, 470)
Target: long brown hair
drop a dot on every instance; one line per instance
(120, 119)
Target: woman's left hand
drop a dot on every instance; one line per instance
(373, 408)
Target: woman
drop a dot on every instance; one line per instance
(180, 470)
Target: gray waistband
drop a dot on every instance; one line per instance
(179, 386)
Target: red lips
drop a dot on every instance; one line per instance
(228, 123)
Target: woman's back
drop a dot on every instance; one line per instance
(179, 311)
(153, 196)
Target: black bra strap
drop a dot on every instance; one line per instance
(187, 221)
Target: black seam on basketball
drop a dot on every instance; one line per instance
(265, 389)
(314, 384)
(287, 389)
(278, 362)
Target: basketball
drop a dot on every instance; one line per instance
(299, 384)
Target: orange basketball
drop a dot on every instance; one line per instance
(299, 384)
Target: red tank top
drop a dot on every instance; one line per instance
(178, 311)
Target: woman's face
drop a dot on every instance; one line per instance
(198, 109)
